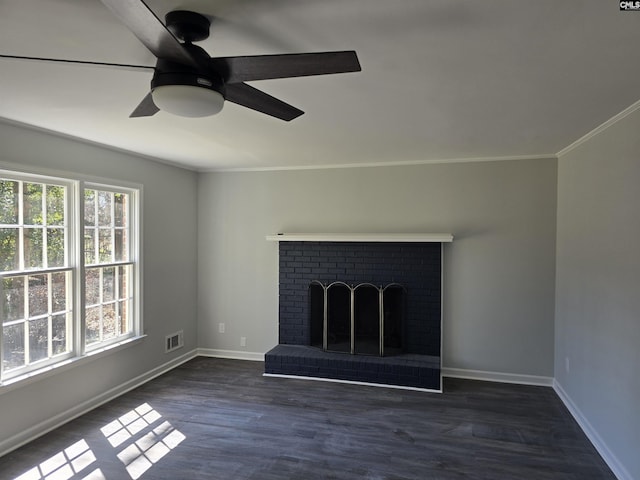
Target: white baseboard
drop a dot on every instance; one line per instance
(232, 354)
(50, 424)
(607, 455)
(498, 377)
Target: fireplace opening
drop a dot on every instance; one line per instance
(362, 319)
(338, 318)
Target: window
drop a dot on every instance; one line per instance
(68, 279)
(34, 258)
(108, 267)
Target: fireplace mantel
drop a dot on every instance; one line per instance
(361, 237)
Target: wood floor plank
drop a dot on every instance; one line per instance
(221, 419)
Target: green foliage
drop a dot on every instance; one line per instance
(8, 216)
(43, 207)
(8, 201)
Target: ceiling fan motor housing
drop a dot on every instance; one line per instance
(168, 72)
(186, 76)
(186, 91)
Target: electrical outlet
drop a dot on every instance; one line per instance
(221, 328)
(243, 341)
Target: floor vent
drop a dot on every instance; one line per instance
(173, 342)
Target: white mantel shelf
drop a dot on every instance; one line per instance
(362, 237)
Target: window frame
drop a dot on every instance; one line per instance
(135, 228)
(74, 264)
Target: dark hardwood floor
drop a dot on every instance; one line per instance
(221, 419)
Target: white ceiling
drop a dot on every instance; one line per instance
(441, 79)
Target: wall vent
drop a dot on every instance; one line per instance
(173, 342)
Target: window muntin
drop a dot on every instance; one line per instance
(69, 278)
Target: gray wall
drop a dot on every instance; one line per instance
(598, 286)
(499, 271)
(169, 253)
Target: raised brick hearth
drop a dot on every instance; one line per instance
(415, 265)
(407, 370)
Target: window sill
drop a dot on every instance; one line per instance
(63, 366)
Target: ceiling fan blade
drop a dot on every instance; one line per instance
(123, 66)
(144, 24)
(146, 108)
(264, 67)
(247, 96)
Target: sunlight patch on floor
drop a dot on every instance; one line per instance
(69, 463)
(140, 455)
(140, 437)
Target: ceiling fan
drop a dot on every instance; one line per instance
(188, 82)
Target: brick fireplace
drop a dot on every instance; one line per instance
(410, 262)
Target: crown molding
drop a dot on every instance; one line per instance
(404, 163)
(600, 128)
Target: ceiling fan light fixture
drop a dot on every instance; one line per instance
(187, 100)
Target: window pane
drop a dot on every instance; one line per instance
(9, 202)
(38, 295)
(120, 240)
(58, 292)
(89, 246)
(9, 259)
(55, 205)
(89, 207)
(104, 209)
(33, 248)
(92, 321)
(55, 247)
(123, 282)
(108, 284)
(59, 334)
(104, 245)
(13, 298)
(123, 314)
(92, 286)
(32, 197)
(109, 321)
(120, 209)
(38, 336)
(13, 346)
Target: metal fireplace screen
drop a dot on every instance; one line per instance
(362, 319)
